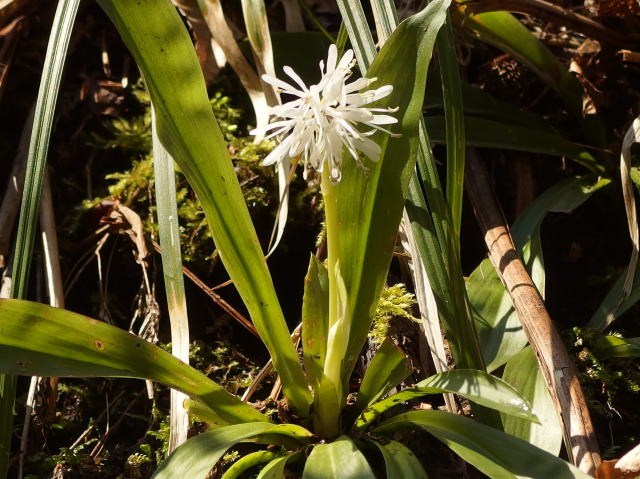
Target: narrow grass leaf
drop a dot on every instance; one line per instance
(169, 232)
(455, 127)
(38, 149)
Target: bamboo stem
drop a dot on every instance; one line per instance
(554, 361)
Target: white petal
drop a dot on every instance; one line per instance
(278, 153)
(282, 85)
(331, 59)
(345, 61)
(370, 148)
(295, 77)
(382, 120)
(359, 84)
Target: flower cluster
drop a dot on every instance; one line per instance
(322, 119)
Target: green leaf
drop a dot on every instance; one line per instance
(493, 452)
(478, 386)
(481, 104)
(484, 133)
(523, 373)
(195, 458)
(370, 205)
(399, 461)
(501, 335)
(616, 302)
(607, 347)
(504, 31)
(39, 340)
(32, 190)
(339, 459)
(242, 465)
(163, 50)
(315, 311)
(204, 413)
(455, 128)
(387, 369)
(276, 468)
(169, 233)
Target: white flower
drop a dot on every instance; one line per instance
(322, 119)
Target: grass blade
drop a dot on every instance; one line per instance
(34, 175)
(455, 130)
(168, 229)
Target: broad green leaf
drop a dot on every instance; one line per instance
(481, 104)
(501, 335)
(339, 459)
(275, 469)
(610, 346)
(195, 458)
(38, 340)
(315, 313)
(164, 53)
(523, 373)
(486, 133)
(241, 466)
(493, 452)
(478, 386)
(504, 31)
(370, 205)
(204, 413)
(399, 461)
(387, 369)
(32, 191)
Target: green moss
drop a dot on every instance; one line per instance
(395, 302)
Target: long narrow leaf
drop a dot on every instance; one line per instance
(455, 127)
(370, 206)
(493, 452)
(187, 129)
(38, 149)
(195, 458)
(477, 386)
(168, 228)
(39, 340)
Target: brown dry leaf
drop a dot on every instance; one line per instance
(607, 470)
(630, 462)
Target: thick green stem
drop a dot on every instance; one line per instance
(330, 386)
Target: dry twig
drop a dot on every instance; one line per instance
(554, 361)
